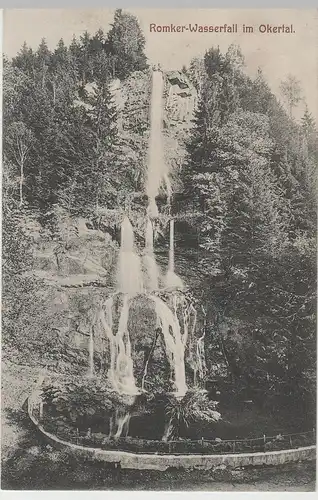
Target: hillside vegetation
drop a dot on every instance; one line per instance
(76, 128)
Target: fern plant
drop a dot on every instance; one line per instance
(195, 406)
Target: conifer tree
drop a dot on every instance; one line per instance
(126, 43)
(25, 60)
(291, 92)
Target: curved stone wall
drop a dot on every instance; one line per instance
(129, 460)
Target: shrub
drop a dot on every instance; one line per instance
(195, 406)
(78, 399)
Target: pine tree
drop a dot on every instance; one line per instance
(102, 121)
(126, 43)
(256, 225)
(85, 62)
(218, 99)
(196, 73)
(43, 62)
(97, 43)
(257, 96)
(16, 85)
(61, 79)
(307, 122)
(87, 151)
(291, 91)
(75, 56)
(25, 60)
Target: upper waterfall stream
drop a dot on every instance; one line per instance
(136, 277)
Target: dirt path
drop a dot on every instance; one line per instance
(28, 463)
(16, 383)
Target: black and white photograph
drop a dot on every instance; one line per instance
(159, 171)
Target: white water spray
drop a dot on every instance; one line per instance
(121, 372)
(129, 270)
(174, 344)
(172, 280)
(130, 283)
(122, 425)
(157, 169)
(119, 423)
(152, 271)
(168, 189)
(171, 247)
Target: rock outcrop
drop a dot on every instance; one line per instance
(78, 272)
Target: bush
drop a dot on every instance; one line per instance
(81, 399)
(195, 406)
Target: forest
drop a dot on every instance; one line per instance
(246, 189)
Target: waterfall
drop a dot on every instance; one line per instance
(186, 320)
(172, 280)
(152, 210)
(121, 373)
(129, 269)
(130, 283)
(124, 362)
(175, 347)
(171, 247)
(119, 423)
(200, 356)
(152, 271)
(168, 432)
(157, 169)
(168, 189)
(122, 422)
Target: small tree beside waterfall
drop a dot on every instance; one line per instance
(194, 407)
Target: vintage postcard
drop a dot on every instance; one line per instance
(159, 249)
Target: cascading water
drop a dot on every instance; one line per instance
(130, 283)
(152, 272)
(174, 343)
(172, 280)
(121, 372)
(171, 247)
(157, 169)
(129, 269)
(119, 423)
(122, 421)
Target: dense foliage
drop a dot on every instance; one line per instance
(81, 400)
(250, 175)
(64, 156)
(251, 171)
(61, 136)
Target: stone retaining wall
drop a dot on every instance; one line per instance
(129, 460)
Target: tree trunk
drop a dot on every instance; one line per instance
(145, 370)
(54, 94)
(21, 182)
(168, 432)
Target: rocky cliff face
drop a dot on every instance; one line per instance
(78, 274)
(180, 100)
